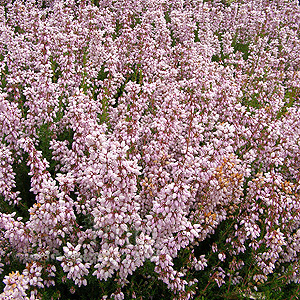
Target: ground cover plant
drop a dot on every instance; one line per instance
(149, 149)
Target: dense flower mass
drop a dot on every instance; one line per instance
(149, 147)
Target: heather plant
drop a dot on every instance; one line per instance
(150, 149)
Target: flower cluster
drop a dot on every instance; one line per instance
(72, 264)
(155, 141)
(15, 286)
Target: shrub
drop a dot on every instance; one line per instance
(149, 149)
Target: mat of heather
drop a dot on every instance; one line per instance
(149, 149)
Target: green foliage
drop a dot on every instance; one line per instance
(241, 47)
(289, 98)
(196, 32)
(167, 16)
(117, 30)
(3, 73)
(56, 70)
(65, 289)
(45, 136)
(23, 185)
(238, 46)
(135, 21)
(144, 284)
(95, 2)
